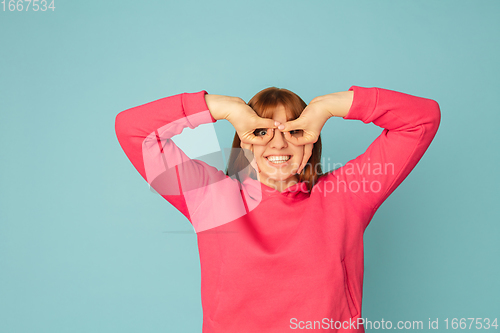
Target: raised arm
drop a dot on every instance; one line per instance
(144, 133)
(410, 124)
(204, 194)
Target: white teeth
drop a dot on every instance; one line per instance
(278, 159)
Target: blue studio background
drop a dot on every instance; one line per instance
(85, 246)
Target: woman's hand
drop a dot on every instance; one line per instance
(243, 118)
(313, 118)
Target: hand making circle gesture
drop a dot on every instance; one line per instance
(243, 118)
(313, 118)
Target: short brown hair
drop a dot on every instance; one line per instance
(263, 103)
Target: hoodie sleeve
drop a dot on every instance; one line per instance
(146, 134)
(409, 125)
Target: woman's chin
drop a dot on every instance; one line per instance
(277, 176)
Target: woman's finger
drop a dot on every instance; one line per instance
(262, 123)
(306, 138)
(302, 124)
(251, 138)
(308, 148)
(291, 125)
(265, 123)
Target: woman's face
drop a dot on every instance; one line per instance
(279, 159)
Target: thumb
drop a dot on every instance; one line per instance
(292, 125)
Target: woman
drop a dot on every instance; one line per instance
(280, 243)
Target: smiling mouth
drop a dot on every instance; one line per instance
(275, 159)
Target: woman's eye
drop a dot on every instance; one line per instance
(296, 132)
(260, 132)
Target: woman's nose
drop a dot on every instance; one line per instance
(278, 141)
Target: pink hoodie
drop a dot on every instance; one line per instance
(278, 261)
